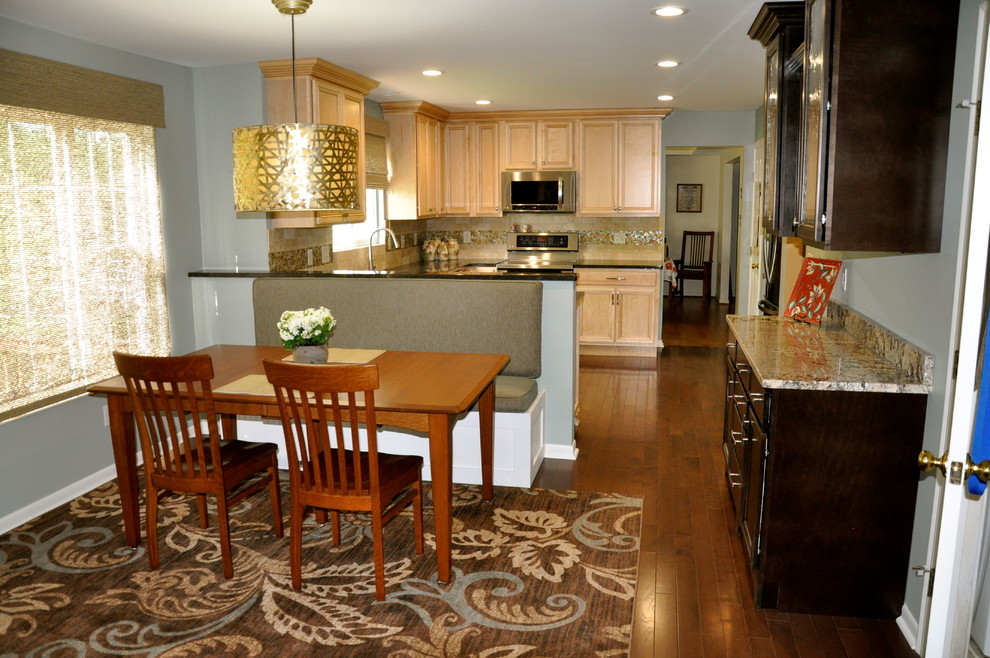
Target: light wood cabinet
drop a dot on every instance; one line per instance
(325, 93)
(415, 130)
(617, 311)
(471, 169)
(619, 167)
(539, 145)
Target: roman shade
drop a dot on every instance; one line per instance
(375, 132)
(44, 84)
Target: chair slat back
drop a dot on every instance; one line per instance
(173, 400)
(697, 248)
(314, 399)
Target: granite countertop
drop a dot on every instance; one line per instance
(444, 269)
(846, 353)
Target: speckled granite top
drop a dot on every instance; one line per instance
(846, 353)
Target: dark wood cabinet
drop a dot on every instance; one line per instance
(824, 485)
(875, 106)
(779, 27)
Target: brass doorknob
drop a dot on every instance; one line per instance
(981, 470)
(927, 461)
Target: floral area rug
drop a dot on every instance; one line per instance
(537, 573)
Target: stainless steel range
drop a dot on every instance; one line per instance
(543, 252)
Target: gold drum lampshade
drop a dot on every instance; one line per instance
(295, 166)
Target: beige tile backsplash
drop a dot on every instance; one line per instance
(294, 250)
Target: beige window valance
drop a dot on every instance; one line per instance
(44, 84)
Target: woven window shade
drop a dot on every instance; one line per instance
(375, 132)
(81, 253)
(44, 84)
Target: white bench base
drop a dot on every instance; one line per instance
(519, 444)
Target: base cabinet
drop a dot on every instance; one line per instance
(617, 311)
(824, 486)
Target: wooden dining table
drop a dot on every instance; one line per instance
(422, 391)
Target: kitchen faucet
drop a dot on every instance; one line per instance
(371, 242)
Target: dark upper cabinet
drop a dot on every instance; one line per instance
(876, 104)
(779, 27)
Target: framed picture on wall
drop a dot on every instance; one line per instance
(688, 197)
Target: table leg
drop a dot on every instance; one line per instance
(486, 421)
(442, 474)
(228, 426)
(125, 461)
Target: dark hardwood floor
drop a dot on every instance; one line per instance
(654, 429)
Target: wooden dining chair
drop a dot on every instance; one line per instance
(329, 471)
(697, 251)
(183, 448)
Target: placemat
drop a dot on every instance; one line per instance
(348, 355)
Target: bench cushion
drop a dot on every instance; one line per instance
(514, 394)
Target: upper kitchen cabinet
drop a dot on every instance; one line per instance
(538, 145)
(619, 165)
(471, 169)
(779, 27)
(325, 93)
(876, 104)
(415, 136)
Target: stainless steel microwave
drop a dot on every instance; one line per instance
(538, 191)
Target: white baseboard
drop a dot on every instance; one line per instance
(909, 627)
(60, 497)
(555, 451)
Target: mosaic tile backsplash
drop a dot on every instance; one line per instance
(296, 250)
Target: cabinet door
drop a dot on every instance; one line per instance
(520, 145)
(457, 168)
(771, 105)
(487, 192)
(555, 146)
(815, 122)
(598, 168)
(755, 468)
(427, 167)
(636, 316)
(639, 167)
(597, 323)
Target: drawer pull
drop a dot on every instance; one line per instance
(736, 441)
(616, 278)
(735, 480)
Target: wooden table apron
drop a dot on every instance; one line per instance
(421, 391)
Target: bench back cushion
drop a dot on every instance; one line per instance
(429, 315)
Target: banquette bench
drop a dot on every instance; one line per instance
(433, 315)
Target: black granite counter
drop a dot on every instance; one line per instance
(463, 268)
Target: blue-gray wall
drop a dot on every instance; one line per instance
(54, 448)
(69, 442)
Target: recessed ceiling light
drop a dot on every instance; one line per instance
(432, 73)
(665, 97)
(668, 11)
(667, 64)
(482, 102)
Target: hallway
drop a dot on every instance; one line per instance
(654, 429)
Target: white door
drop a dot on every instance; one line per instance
(957, 547)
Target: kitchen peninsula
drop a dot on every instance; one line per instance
(225, 314)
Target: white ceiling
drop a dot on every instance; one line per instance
(521, 54)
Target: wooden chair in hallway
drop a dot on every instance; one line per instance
(183, 448)
(331, 472)
(697, 251)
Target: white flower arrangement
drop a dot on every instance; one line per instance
(314, 326)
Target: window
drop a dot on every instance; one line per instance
(355, 236)
(81, 254)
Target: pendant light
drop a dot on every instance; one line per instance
(295, 166)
